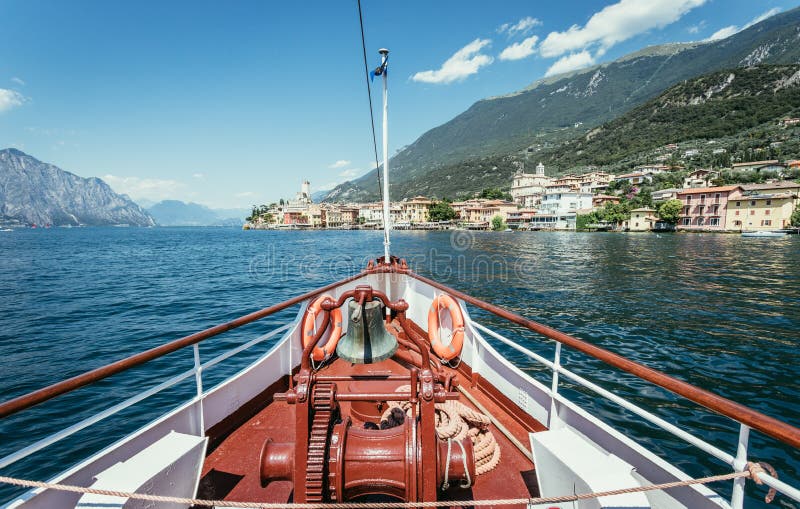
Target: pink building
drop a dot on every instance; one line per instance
(705, 208)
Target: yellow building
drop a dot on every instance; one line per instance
(415, 210)
(763, 211)
(642, 219)
(487, 209)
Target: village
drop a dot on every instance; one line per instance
(574, 202)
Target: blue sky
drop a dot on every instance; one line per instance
(234, 103)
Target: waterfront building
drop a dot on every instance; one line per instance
(770, 165)
(663, 195)
(415, 210)
(779, 186)
(599, 200)
(767, 206)
(488, 209)
(635, 178)
(700, 178)
(520, 217)
(460, 207)
(705, 208)
(332, 217)
(571, 182)
(642, 219)
(316, 216)
(560, 206)
(527, 188)
(761, 211)
(349, 215)
(595, 182)
(651, 169)
(371, 213)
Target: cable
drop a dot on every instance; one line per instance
(369, 97)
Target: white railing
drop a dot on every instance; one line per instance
(738, 461)
(197, 371)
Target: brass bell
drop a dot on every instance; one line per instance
(367, 339)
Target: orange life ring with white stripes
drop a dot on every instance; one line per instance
(453, 349)
(320, 353)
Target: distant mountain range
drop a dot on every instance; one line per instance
(33, 192)
(178, 213)
(486, 141)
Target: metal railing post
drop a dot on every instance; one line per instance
(198, 378)
(739, 464)
(554, 386)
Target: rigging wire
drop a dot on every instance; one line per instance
(371, 112)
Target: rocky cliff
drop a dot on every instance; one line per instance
(35, 192)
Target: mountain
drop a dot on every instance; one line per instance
(562, 107)
(712, 107)
(35, 192)
(178, 213)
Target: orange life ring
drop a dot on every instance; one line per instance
(452, 350)
(325, 351)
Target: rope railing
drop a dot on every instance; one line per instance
(752, 472)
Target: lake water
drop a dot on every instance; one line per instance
(719, 311)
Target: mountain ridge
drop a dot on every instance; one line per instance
(548, 112)
(34, 192)
(179, 213)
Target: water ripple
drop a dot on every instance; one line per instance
(718, 311)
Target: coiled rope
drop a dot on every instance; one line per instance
(457, 421)
(751, 471)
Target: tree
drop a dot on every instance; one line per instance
(582, 221)
(615, 213)
(495, 193)
(796, 216)
(441, 211)
(498, 224)
(670, 211)
(643, 199)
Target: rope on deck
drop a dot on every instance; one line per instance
(751, 471)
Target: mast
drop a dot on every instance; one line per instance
(386, 217)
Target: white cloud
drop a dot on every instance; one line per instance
(728, 31)
(18, 81)
(465, 62)
(150, 189)
(520, 50)
(616, 23)
(199, 176)
(10, 99)
(761, 17)
(341, 163)
(694, 29)
(245, 194)
(522, 27)
(723, 33)
(570, 62)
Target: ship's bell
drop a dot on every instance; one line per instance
(367, 339)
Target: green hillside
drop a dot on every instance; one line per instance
(559, 108)
(712, 107)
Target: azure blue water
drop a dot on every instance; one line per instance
(719, 311)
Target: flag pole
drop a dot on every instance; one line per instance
(386, 216)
